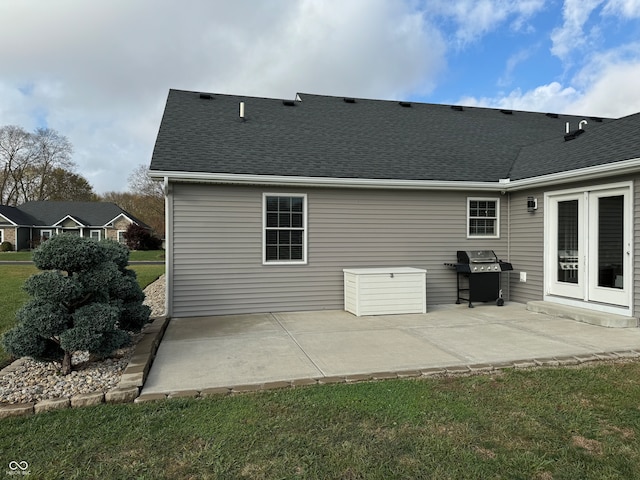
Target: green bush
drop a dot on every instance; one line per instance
(139, 238)
(6, 247)
(85, 300)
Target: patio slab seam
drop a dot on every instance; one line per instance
(295, 341)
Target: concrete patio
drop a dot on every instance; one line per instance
(203, 353)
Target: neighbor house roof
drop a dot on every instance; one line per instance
(90, 214)
(319, 136)
(15, 215)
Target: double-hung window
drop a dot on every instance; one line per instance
(483, 217)
(285, 228)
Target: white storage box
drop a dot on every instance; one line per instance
(385, 291)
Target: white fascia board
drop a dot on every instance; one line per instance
(108, 224)
(80, 224)
(588, 173)
(285, 181)
(503, 184)
(14, 224)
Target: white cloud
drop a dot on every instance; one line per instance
(624, 8)
(571, 35)
(99, 72)
(475, 18)
(546, 98)
(610, 87)
(606, 86)
(513, 61)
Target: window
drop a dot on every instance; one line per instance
(483, 217)
(95, 234)
(285, 228)
(121, 238)
(45, 235)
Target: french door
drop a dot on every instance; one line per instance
(588, 245)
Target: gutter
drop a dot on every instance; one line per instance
(503, 185)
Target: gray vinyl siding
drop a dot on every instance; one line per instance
(636, 245)
(216, 259)
(526, 248)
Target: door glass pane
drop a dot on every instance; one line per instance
(568, 241)
(611, 241)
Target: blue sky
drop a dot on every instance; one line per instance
(99, 72)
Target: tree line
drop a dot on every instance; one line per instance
(38, 166)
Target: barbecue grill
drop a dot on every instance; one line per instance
(478, 274)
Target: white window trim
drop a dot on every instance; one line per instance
(490, 199)
(42, 232)
(264, 229)
(1, 235)
(124, 241)
(99, 232)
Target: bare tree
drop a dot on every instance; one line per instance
(51, 151)
(32, 164)
(16, 150)
(142, 207)
(141, 182)
(151, 205)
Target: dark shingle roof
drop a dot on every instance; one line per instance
(612, 142)
(324, 136)
(93, 214)
(17, 216)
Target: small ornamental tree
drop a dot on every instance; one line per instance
(139, 238)
(84, 300)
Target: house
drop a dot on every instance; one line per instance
(269, 200)
(25, 226)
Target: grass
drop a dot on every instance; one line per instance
(12, 278)
(135, 256)
(15, 256)
(543, 424)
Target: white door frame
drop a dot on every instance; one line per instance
(586, 293)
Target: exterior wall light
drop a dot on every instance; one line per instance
(532, 204)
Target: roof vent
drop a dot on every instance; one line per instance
(242, 111)
(573, 134)
(288, 103)
(349, 100)
(507, 112)
(457, 108)
(405, 104)
(206, 96)
(552, 115)
(596, 119)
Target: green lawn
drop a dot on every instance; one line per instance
(564, 423)
(15, 256)
(12, 278)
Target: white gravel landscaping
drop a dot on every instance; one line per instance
(31, 381)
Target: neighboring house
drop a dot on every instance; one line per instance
(29, 224)
(264, 211)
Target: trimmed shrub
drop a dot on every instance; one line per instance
(6, 247)
(139, 238)
(85, 300)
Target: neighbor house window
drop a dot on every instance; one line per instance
(45, 235)
(285, 228)
(121, 238)
(483, 217)
(95, 235)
